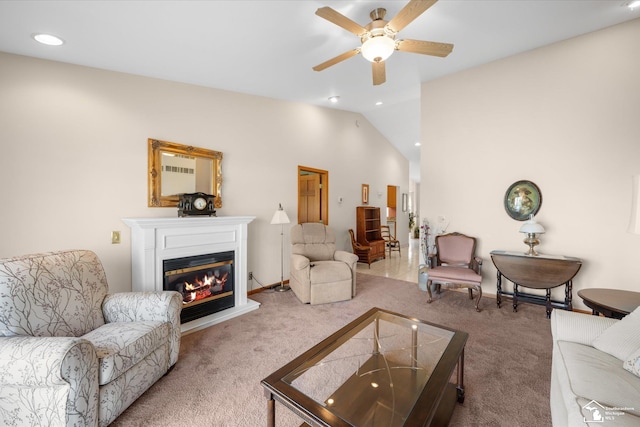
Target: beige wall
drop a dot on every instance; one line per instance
(566, 117)
(74, 159)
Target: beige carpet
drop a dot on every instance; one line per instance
(216, 381)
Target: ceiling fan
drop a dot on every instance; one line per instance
(379, 37)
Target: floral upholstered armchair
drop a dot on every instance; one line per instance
(70, 354)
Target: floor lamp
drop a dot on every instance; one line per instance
(281, 218)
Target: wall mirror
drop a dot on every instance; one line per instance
(175, 169)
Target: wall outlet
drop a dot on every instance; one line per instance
(115, 237)
(251, 275)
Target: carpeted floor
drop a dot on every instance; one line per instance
(216, 381)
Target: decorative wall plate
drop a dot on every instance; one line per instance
(522, 199)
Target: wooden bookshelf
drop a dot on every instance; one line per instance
(368, 232)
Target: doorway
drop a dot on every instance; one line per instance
(313, 195)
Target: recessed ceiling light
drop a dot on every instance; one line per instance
(417, 144)
(48, 39)
(334, 99)
(379, 103)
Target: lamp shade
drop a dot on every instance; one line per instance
(531, 226)
(280, 217)
(378, 48)
(634, 223)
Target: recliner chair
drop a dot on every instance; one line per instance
(319, 273)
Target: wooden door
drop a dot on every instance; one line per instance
(313, 195)
(309, 198)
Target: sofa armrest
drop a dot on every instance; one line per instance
(49, 379)
(346, 257)
(163, 306)
(578, 327)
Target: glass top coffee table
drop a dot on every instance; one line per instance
(382, 369)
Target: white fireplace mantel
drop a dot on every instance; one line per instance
(154, 240)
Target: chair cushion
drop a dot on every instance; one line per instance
(455, 249)
(622, 338)
(330, 271)
(314, 241)
(120, 345)
(53, 294)
(454, 275)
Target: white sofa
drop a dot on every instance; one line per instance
(70, 354)
(595, 373)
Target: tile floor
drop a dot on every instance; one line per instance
(401, 267)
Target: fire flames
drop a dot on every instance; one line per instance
(203, 288)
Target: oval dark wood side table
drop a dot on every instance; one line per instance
(613, 303)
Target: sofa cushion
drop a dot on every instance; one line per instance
(120, 345)
(632, 364)
(621, 339)
(596, 375)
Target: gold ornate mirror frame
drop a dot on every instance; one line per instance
(208, 176)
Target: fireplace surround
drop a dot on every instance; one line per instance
(156, 242)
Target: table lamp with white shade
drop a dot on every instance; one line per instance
(532, 229)
(281, 218)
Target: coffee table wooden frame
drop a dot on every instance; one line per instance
(433, 406)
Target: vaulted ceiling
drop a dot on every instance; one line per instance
(268, 48)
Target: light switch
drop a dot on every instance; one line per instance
(115, 237)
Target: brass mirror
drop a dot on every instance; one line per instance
(175, 169)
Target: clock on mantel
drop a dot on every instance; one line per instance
(190, 204)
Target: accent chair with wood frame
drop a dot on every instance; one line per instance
(455, 264)
(390, 242)
(363, 252)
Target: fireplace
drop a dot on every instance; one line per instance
(204, 281)
(155, 241)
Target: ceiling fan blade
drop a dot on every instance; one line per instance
(411, 11)
(424, 48)
(379, 73)
(339, 58)
(340, 20)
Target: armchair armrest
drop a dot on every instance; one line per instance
(433, 260)
(476, 264)
(299, 262)
(360, 246)
(578, 327)
(163, 306)
(54, 380)
(346, 257)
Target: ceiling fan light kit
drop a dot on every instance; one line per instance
(379, 48)
(378, 38)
